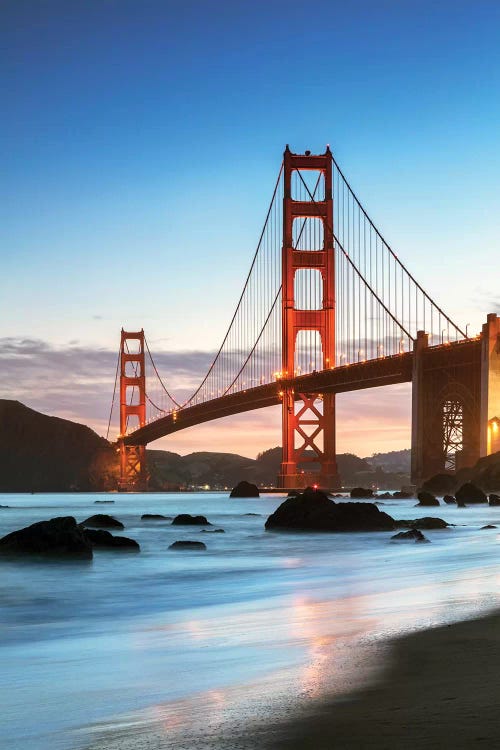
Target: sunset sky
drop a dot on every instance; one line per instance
(141, 140)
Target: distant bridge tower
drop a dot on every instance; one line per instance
(308, 426)
(133, 473)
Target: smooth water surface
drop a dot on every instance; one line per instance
(85, 641)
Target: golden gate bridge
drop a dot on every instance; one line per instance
(327, 307)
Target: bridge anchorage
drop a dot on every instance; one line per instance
(327, 307)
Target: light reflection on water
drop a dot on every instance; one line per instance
(128, 631)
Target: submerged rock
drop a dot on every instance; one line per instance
(58, 537)
(488, 526)
(155, 517)
(188, 545)
(426, 499)
(428, 522)
(449, 500)
(360, 493)
(103, 502)
(494, 499)
(403, 495)
(469, 493)
(413, 535)
(101, 520)
(104, 540)
(245, 489)
(314, 511)
(212, 531)
(253, 514)
(184, 519)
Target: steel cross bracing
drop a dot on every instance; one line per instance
(377, 307)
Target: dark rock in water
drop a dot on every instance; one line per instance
(59, 537)
(461, 504)
(212, 531)
(428, 522)
(385, 496)
(103, 502)
(4, 506)
(492, 500)
(314, 511)
(184, 519)
(188, 545)
(488, 526)
(440, 484)
(155, 517)
(101, 520)
(469, 493)
(413, 535)
(449, 500)
(245, 489)
(426, 499)
(104, 540)
(402, 495)
(254, 514)
(360, 493)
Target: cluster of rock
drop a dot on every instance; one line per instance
(63, 537)
(467, 494)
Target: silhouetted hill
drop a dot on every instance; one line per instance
(48, 454)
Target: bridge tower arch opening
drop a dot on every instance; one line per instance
(308, 419)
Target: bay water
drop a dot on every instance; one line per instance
(85, 643)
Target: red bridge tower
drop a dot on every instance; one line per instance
(308, 421)
(133, 474)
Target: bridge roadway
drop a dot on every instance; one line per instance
(352, 377)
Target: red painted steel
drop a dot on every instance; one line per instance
(308, 428)
(133, 472)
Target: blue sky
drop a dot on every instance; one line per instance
(140, 144)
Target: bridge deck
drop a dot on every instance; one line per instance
(357, 376)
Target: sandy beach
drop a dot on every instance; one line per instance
(434, 688)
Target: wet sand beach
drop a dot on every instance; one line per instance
(433, 688)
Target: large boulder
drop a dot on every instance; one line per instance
(469, 493)
(314, 511)
(361, 493)
(449, 500)
(59, 537)
(104, 540)
(188, 545)
(426, 499)
(245, 489)
(184, 519)
(428, 522)
(103, 521)
(403, 495)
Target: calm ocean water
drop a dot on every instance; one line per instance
(82, 643)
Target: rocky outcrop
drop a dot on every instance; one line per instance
(188, 545)
(57, 538)
(103, 521)
(245, 489)
(426, 523)
(426, 499)
(314, 511)
(413, 535)
(155, 517)
(184, 519)
(494, 499)
(361, 493)
(470, 493)
(104, 540)
(449, 500)
(488, 526)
